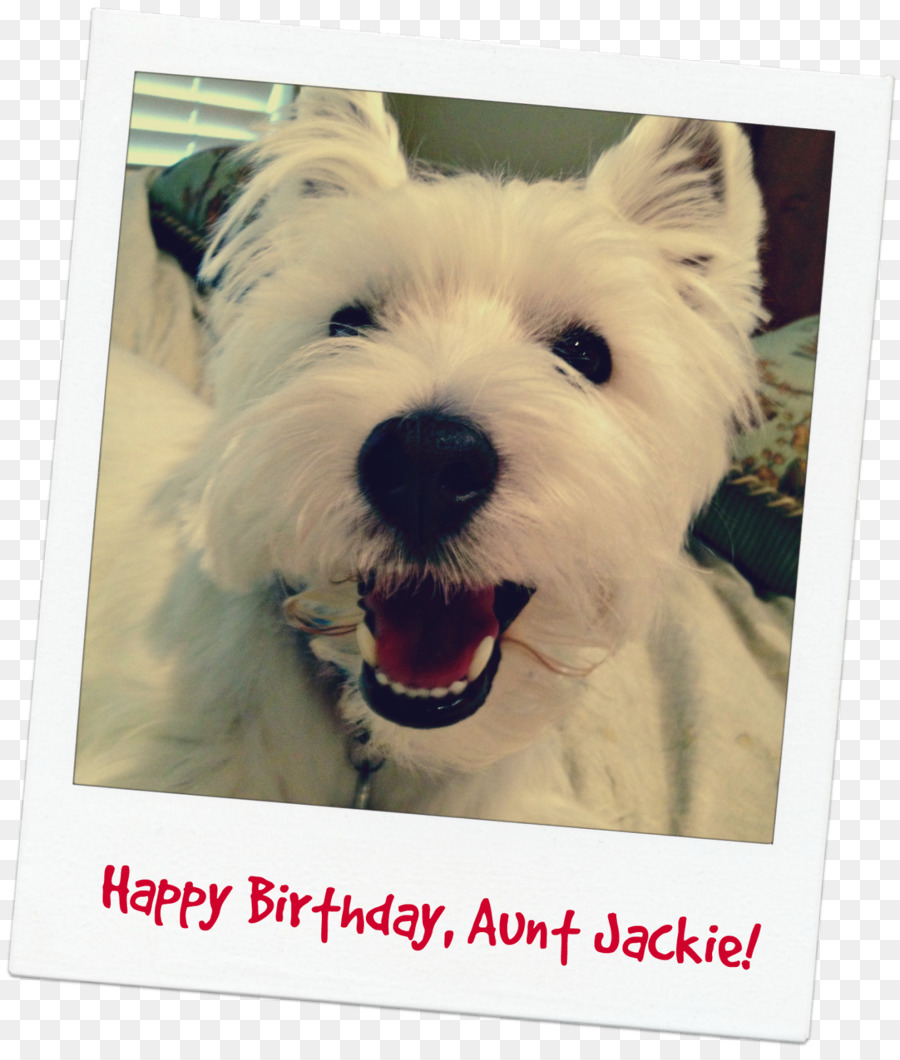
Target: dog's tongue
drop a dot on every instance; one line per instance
(425, 640)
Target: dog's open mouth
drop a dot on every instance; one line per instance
(430, 657)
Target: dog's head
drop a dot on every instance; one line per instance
(472, 417)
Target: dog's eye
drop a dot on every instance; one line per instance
(349, 320)
(586, 351)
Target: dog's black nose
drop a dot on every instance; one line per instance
(426, 474)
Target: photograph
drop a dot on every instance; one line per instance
(451, 526)
(453, 457)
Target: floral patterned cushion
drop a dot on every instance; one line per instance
(188, 198)
(755, 518)
(776, 451)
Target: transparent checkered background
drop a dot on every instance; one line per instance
(42, 56)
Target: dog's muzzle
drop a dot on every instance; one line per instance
(430, 652)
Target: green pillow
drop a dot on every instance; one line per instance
(188, 198)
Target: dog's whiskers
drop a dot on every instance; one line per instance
(554, 665)
(318, 631)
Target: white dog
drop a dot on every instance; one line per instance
(433, 541)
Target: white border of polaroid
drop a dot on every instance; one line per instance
(70, 833)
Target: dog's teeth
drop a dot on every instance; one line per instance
(399, 689)
(366, 643)
(480, 659)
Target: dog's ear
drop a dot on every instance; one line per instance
(335, 142)
(690, 185)
(329, 143)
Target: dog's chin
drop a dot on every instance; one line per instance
(430, 657)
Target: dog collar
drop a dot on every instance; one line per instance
(359, 754)
(365, 763)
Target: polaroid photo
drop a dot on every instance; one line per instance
(451, 526)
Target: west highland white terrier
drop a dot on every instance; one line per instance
(433, 542)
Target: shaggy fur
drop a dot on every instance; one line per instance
(469, 281)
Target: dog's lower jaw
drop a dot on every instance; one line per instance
(429, 711)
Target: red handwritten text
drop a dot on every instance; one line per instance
(150, 897)
(669, 941)
(534, 930)
(408, 920)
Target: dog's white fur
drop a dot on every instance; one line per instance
(473, 277)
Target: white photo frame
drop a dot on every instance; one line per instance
(62, 929)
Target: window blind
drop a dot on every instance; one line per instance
(174, 116)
